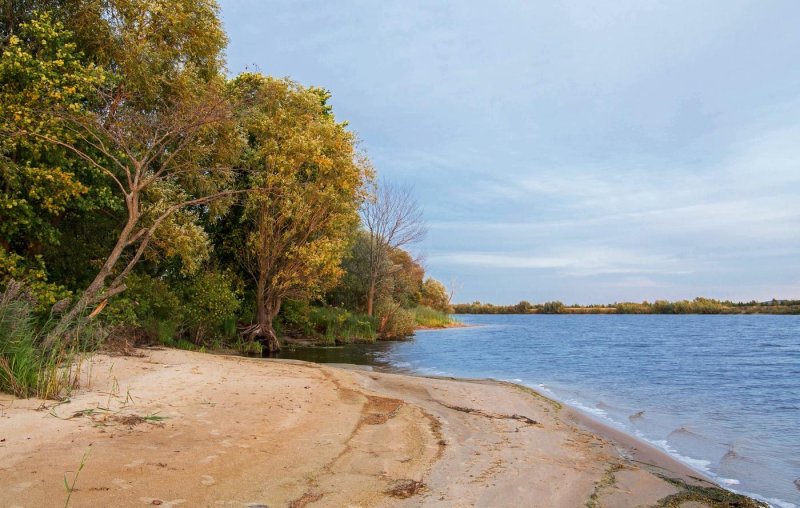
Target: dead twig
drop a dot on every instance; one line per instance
(487, 414)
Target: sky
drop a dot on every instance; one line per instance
(588, 152)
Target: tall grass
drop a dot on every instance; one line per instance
(341, 326)
(432, 318)
(26, 369)
(19, 358)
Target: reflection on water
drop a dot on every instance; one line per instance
(358, 354)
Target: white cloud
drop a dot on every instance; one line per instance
(579, 263)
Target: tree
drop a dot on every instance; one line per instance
(156, 125)
(435, 295)
(41, 69)
(307, 182)
(554, 307)
(523, 307)
(393, 219)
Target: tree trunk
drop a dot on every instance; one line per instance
(267, 307)
(88, 297)
(371, 297)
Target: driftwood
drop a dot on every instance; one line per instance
(487, 414)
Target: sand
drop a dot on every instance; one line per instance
(177, 428)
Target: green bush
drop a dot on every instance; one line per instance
(211, 304)
(198, 309)
(435, 296)
(334, 325)
(295, 315)
(394, 322)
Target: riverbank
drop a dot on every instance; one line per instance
(169, 428)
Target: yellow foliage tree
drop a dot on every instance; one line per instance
(306, 181)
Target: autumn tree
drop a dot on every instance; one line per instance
(392, 219)
(41, 70)
(435, 295)
(307, 182)
(155, 123)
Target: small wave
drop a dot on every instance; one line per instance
(682, 430)
(702, 466)
(547, 390)
(698, 464)
(732, 455)
(434, 372)
(593, 410)
(772, 501)
(636, 416)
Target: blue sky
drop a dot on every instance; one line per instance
(582, 151)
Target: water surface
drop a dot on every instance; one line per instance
(721, 393)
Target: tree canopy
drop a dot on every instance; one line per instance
(144, 191)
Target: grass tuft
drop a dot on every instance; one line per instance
(26, 369)
(432, 318)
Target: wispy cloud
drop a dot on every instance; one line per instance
(583, 262)
(616, 152)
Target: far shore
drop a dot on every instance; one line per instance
(176, 428)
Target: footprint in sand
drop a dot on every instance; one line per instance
(214, 432)
(207, 480)
(137, 462)
(209, 459)
(123, 484)
(22, 486)
(160, 502)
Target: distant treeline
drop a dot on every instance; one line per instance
(696, 306)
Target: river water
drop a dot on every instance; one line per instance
(720, 393)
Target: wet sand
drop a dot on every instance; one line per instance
(177, 428)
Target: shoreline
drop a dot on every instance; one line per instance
(629, 445)
(634, 448)
(171, 427)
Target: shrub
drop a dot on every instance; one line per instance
(211, 305)
(394, 322)
(435, 296)
(336, 325)
(552, 307)
(295, 315)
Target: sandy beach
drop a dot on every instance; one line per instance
(177, 428)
